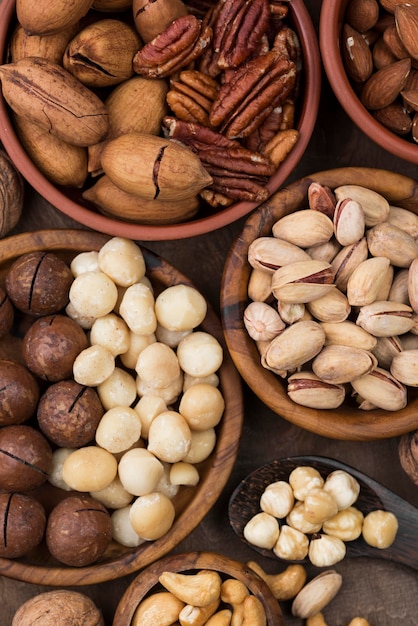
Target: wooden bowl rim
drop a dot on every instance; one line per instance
(184, 562)
(342, 423)
(143, 232)
(222, 459)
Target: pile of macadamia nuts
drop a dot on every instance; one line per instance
(115, 404)
(313, 517)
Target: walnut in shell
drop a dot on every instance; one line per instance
(64, 607)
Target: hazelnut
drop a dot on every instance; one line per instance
(19, 393)
(6, 313)
(25, 458)
(61, 606)
(69, 413)
(23, 522)
(78, 531)
(51, 345)
(38, 283)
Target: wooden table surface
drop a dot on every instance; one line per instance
(385, 593)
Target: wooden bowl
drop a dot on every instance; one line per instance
(147, 581)
(70, 202)
(347, 422)
(330, 28)
(191, 504)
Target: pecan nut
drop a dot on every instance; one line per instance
(191, 96)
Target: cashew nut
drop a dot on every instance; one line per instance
(254, 613)
(234, 593)
(221, 618)
(316, 620)
(159, 609)
(198, 589)
(285, 585)
(359, 621)
(197, 615)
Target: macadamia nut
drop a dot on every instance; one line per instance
(182, 473)
(93, 365)
(200, 354)
(148, 407)
(157, 365)
(122, 530)
(137, 343)
(169, 437)
(118, 429)
(139, 471)
(201, 446)
(137, 309)
(85, 262)
(111, 332)
(119, 389)
(89, 469)
(93, 294)
(202, 405)
(152, 515)
(262, 530)
(122, 260)
(114, 496)
(180, 307)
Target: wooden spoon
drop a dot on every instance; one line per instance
(244, 504)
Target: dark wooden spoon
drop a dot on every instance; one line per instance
(244, 504)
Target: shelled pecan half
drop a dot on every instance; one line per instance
(191, 96)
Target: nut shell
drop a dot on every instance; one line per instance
(61, 606)
(19, 393)
(25, 458)
(23, 522)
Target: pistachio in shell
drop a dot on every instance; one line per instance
(11, 194)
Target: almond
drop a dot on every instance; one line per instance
(394, 42)
(383, 87)
(410, 98)
(390, 5)
(382, 55)
(357, 54)
(406, 18)
(362, 14)
(394, 117)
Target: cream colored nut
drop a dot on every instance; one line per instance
(324, 251)
(375, 206)
(316, 620)
(164, 485)
(346, 525)
(233, 591)
(93, 366)
(171, 338)
(380, 529)
(291, 312)
(139, 471)
(284, 585)
(189, 381)
(304, 478)
(326, 550)
(152, 515)
(412, 285)
(119, 429)
(346, 260)
(221, 618)
(169, 437)
(85, 262)
(319, 505)
(365, 282)
(386, 318)
(122, 530)
(262, 321)
(392, 242)
(317, 594)
(277, 499)
(269, 253)
(383, 293)
(114, 496)
(262, 530)
(200, 589)
(112, 332)
(84, 321)
(296, 519)
(137, 309)
(302, 281)
(359, 621)
(409, 341)
(296, 345)
(304, 228)
(157, 365)
(307, 389)
(137, 343)
(254, 613)
(147, 408)
(343, 487)
(182, 473)
(292, 545)
(197, 615)
(404, 367)
(202, 445)
(386, 348)
(259, 285)
(399, 288)
(349, 223)
(93, 294)
(180, 307)
(332, 307)
(169, 394)
(200, 354)
(55, 473)
(159, 609)
(89, 469)
(122, 260)
(347, 333)
(202, 406)
(404, 219)
(119, 389)
(380, 389)
(342, 364)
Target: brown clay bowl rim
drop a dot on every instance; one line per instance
(104, 224)
(148, 578)
(330, 25)
(344, 423)
(217, 468)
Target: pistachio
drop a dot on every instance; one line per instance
(296, 345)
(386, 348)
(316, 594)
(262, 321)
(399, 288)
(385, 318)
(302, 281)
(347, 260)
(269, 253)
(375, 206)
(324, 251)
(332, 307)
(404, 367)
(259, 285)
(390, 241)
(404, 219)
(304, 228)
(321, 198)
(413, 285)
(386, 284)
(341, 364)
(347, 333)
(291, 312)
(380, 389)
(349, 223)
(366, 280)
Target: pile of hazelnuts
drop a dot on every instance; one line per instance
(44, 409)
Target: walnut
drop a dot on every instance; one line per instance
(408, 455)
(67, 608)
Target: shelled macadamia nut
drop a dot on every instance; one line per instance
(119, 429)
(85, 262)
(169, 437)
(122, 530)
(122, 260)
(93, 294)
(137, 309)
(152, 515)
(139, 471)
(93, 365)
(118, 389)
(200, 354)
(89, 469)
(180, 308)
(202, 405)
(112, 332)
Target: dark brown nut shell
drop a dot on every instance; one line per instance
(51, 345)
(60, 606)
(6, 313)
(78, 531)
(25, 458)
(69, 413)
(38, 283)
(19, 393)
(23, 522)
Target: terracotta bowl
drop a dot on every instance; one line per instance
(191, 504)
(347, 422)
(330, 28)
(72, 204)
(147, 582)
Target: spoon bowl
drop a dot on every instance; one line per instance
(244, 504)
